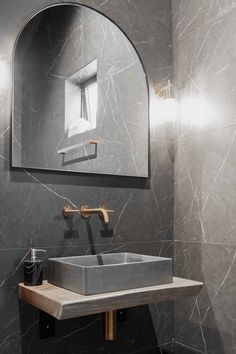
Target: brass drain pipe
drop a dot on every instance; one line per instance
(110, 325)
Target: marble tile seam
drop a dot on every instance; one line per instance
(152, 347)
(206, 243)
(187, 347)
(206, 132)
(203, 317)
(122, 244)
(218, 289)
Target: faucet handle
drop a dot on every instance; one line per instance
(85, 211)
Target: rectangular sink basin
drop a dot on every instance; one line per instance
(96, 274)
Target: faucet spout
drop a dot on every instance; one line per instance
(103, 212)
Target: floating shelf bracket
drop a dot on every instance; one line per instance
(110, 318)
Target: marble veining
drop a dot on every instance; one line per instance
(203, 53)
(31, 202)
(50, 70)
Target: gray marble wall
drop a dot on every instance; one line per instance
(31, 203)
(205, 172)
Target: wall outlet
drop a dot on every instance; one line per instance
(121, 315)
(46, 325)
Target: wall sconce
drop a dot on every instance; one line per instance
(190, 110)
(165, 92)
(164, 107)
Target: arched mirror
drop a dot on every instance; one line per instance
(80, 98)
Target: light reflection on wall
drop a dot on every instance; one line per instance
(162, 110)
(196, 111)
(4, 73)
(190, 111)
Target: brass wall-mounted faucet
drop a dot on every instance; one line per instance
(86, 212)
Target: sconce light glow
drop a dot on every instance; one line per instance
(163, 105)
(4, 74)
(163, 110)
(196, 111)
(170, 108)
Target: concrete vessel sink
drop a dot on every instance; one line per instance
(96, 274)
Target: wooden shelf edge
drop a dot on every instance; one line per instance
(64, 304)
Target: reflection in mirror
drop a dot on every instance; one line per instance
(81, 100)
(80, 96)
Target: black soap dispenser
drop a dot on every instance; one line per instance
(33, 269)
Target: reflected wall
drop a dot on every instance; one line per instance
(80, 96)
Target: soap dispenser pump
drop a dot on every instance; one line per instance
(33, 269)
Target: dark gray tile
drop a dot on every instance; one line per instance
(152, 16)
(156, 62)
(191, 15)
(179, 348)
(204, 187)
(204, 75)
(203, 65)
(200, 322)
(31, 203)
(33, 211)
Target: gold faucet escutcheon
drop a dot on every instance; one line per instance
(86, 212)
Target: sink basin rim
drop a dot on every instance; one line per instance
(92, 276)
(150, 259)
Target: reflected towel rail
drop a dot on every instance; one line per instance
(73, 147)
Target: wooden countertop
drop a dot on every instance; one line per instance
(63, 304)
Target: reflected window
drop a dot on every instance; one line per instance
(89, 101)
(81, 91)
